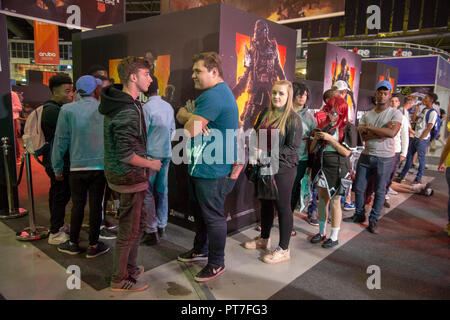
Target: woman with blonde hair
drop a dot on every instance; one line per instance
(282, 119)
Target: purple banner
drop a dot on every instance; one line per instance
(443, 76)
(413, 71)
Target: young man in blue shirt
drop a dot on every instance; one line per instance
(80, 130)
(160, 123)
(215, 111)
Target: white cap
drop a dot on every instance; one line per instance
(340, 85)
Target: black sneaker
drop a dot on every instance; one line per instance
(387, 204)
(330, 243)
(356, 218)
(150, 239)
(69, 248)
(209, 273)
(372, 228)
(161, 232)
(192, 256)
(98, 250)
(109, 225)
(312, 221)
(416, 181)
(398, 179)
(317, 238)
(106, 234)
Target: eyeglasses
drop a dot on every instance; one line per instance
(333, 113)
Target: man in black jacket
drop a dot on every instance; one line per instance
(59, 194)
(126, 167)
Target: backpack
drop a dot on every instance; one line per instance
(434, 133)
(33, 136)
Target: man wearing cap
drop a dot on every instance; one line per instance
(425, 120)
(80, 130)
(378, 128)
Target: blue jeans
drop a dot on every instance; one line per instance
(207, 198)
(419, 146)
(447, 176)
(381, 168)
(158, 188)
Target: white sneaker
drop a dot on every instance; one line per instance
(277, 255)
(393, 192)
(257, 243)
(58, 238)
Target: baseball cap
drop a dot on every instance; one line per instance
(340, 85)
(385, 84)
(87, 84)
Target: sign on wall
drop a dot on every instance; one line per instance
(46, 43)
(78, 14)
(284, 11)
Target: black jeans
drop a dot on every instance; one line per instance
(301, 169)
(132, 222)
(82, 182)
(207, 198)
(284, 181)
(58, 197)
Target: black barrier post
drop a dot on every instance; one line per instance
(13, 212)
(32, 232)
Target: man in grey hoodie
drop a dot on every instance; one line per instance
(127, 167)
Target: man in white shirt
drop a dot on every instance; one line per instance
(425, 120)
(401, 143)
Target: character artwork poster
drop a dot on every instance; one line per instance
(343, 65)
(255, 53)
(281, 11)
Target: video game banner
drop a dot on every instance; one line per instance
(280, 11)
(78, 14)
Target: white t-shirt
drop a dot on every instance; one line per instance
(402, 138)
(385, 147)
(421, 121)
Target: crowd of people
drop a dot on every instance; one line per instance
(103, 143)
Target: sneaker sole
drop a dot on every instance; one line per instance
(277, 261)
(312, 223)
(349, 209)
(192, 259)
(255, 248)
(107, 238)
(56, 242)
(130, 290)
(68, 252)
(98, 254)
(210, 278)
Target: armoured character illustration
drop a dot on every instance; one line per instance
(262, 69)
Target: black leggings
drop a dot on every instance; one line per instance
(285, 182)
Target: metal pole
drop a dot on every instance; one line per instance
(33, 232)
(30, 191)
(13, 212)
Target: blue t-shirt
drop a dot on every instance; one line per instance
(213, 156)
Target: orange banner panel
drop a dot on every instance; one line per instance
(46, 43)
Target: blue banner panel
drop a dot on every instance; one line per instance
(443, 76)
(413, 71)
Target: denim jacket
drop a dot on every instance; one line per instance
(80, 130)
